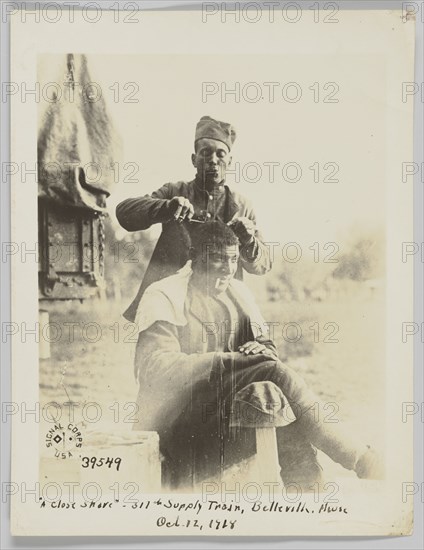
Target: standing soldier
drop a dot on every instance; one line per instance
(204, 199)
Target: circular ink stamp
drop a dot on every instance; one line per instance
(64, 438)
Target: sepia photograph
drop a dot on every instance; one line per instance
(218, 240)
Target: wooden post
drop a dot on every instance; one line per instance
(265, 466)
(260, 405)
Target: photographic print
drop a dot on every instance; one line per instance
(214, 248)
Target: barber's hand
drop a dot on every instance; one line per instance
(244, 228)
(180, 209)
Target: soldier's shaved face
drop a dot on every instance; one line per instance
(215, 267)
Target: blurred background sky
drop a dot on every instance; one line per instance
(158, 132)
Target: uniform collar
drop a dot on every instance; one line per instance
(216, 191)
(232, 205)
(198, 307)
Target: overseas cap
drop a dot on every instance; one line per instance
(208, 127)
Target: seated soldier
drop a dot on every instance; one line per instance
(197, 348)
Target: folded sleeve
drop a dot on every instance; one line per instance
(140, 213)
(255, 255)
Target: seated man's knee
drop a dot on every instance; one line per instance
(281, 372)
(288, 380)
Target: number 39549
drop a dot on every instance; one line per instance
(96, 462)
